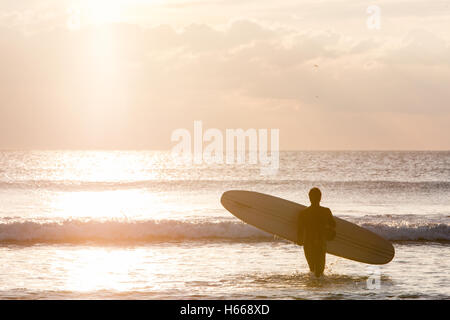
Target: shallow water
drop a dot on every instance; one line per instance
(222, 270)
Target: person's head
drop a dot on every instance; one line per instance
(315, 196)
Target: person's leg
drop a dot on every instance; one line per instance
(309, 254)
(320, 260)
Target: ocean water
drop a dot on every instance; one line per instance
(137, 225)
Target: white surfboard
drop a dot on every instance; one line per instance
(279, 217)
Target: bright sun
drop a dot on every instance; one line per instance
(99, 12)
(104, 11)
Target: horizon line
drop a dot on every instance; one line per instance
(168, 150)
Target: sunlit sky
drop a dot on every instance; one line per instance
(116, 74)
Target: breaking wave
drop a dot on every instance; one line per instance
(112, 231)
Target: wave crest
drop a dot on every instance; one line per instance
(111, 231)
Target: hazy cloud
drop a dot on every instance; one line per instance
(127, 86)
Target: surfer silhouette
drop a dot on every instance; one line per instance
(315, 227)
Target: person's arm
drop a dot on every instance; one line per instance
(331, 221)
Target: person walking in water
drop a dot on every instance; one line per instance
(315, 226)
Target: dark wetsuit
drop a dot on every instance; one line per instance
(313, 223)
